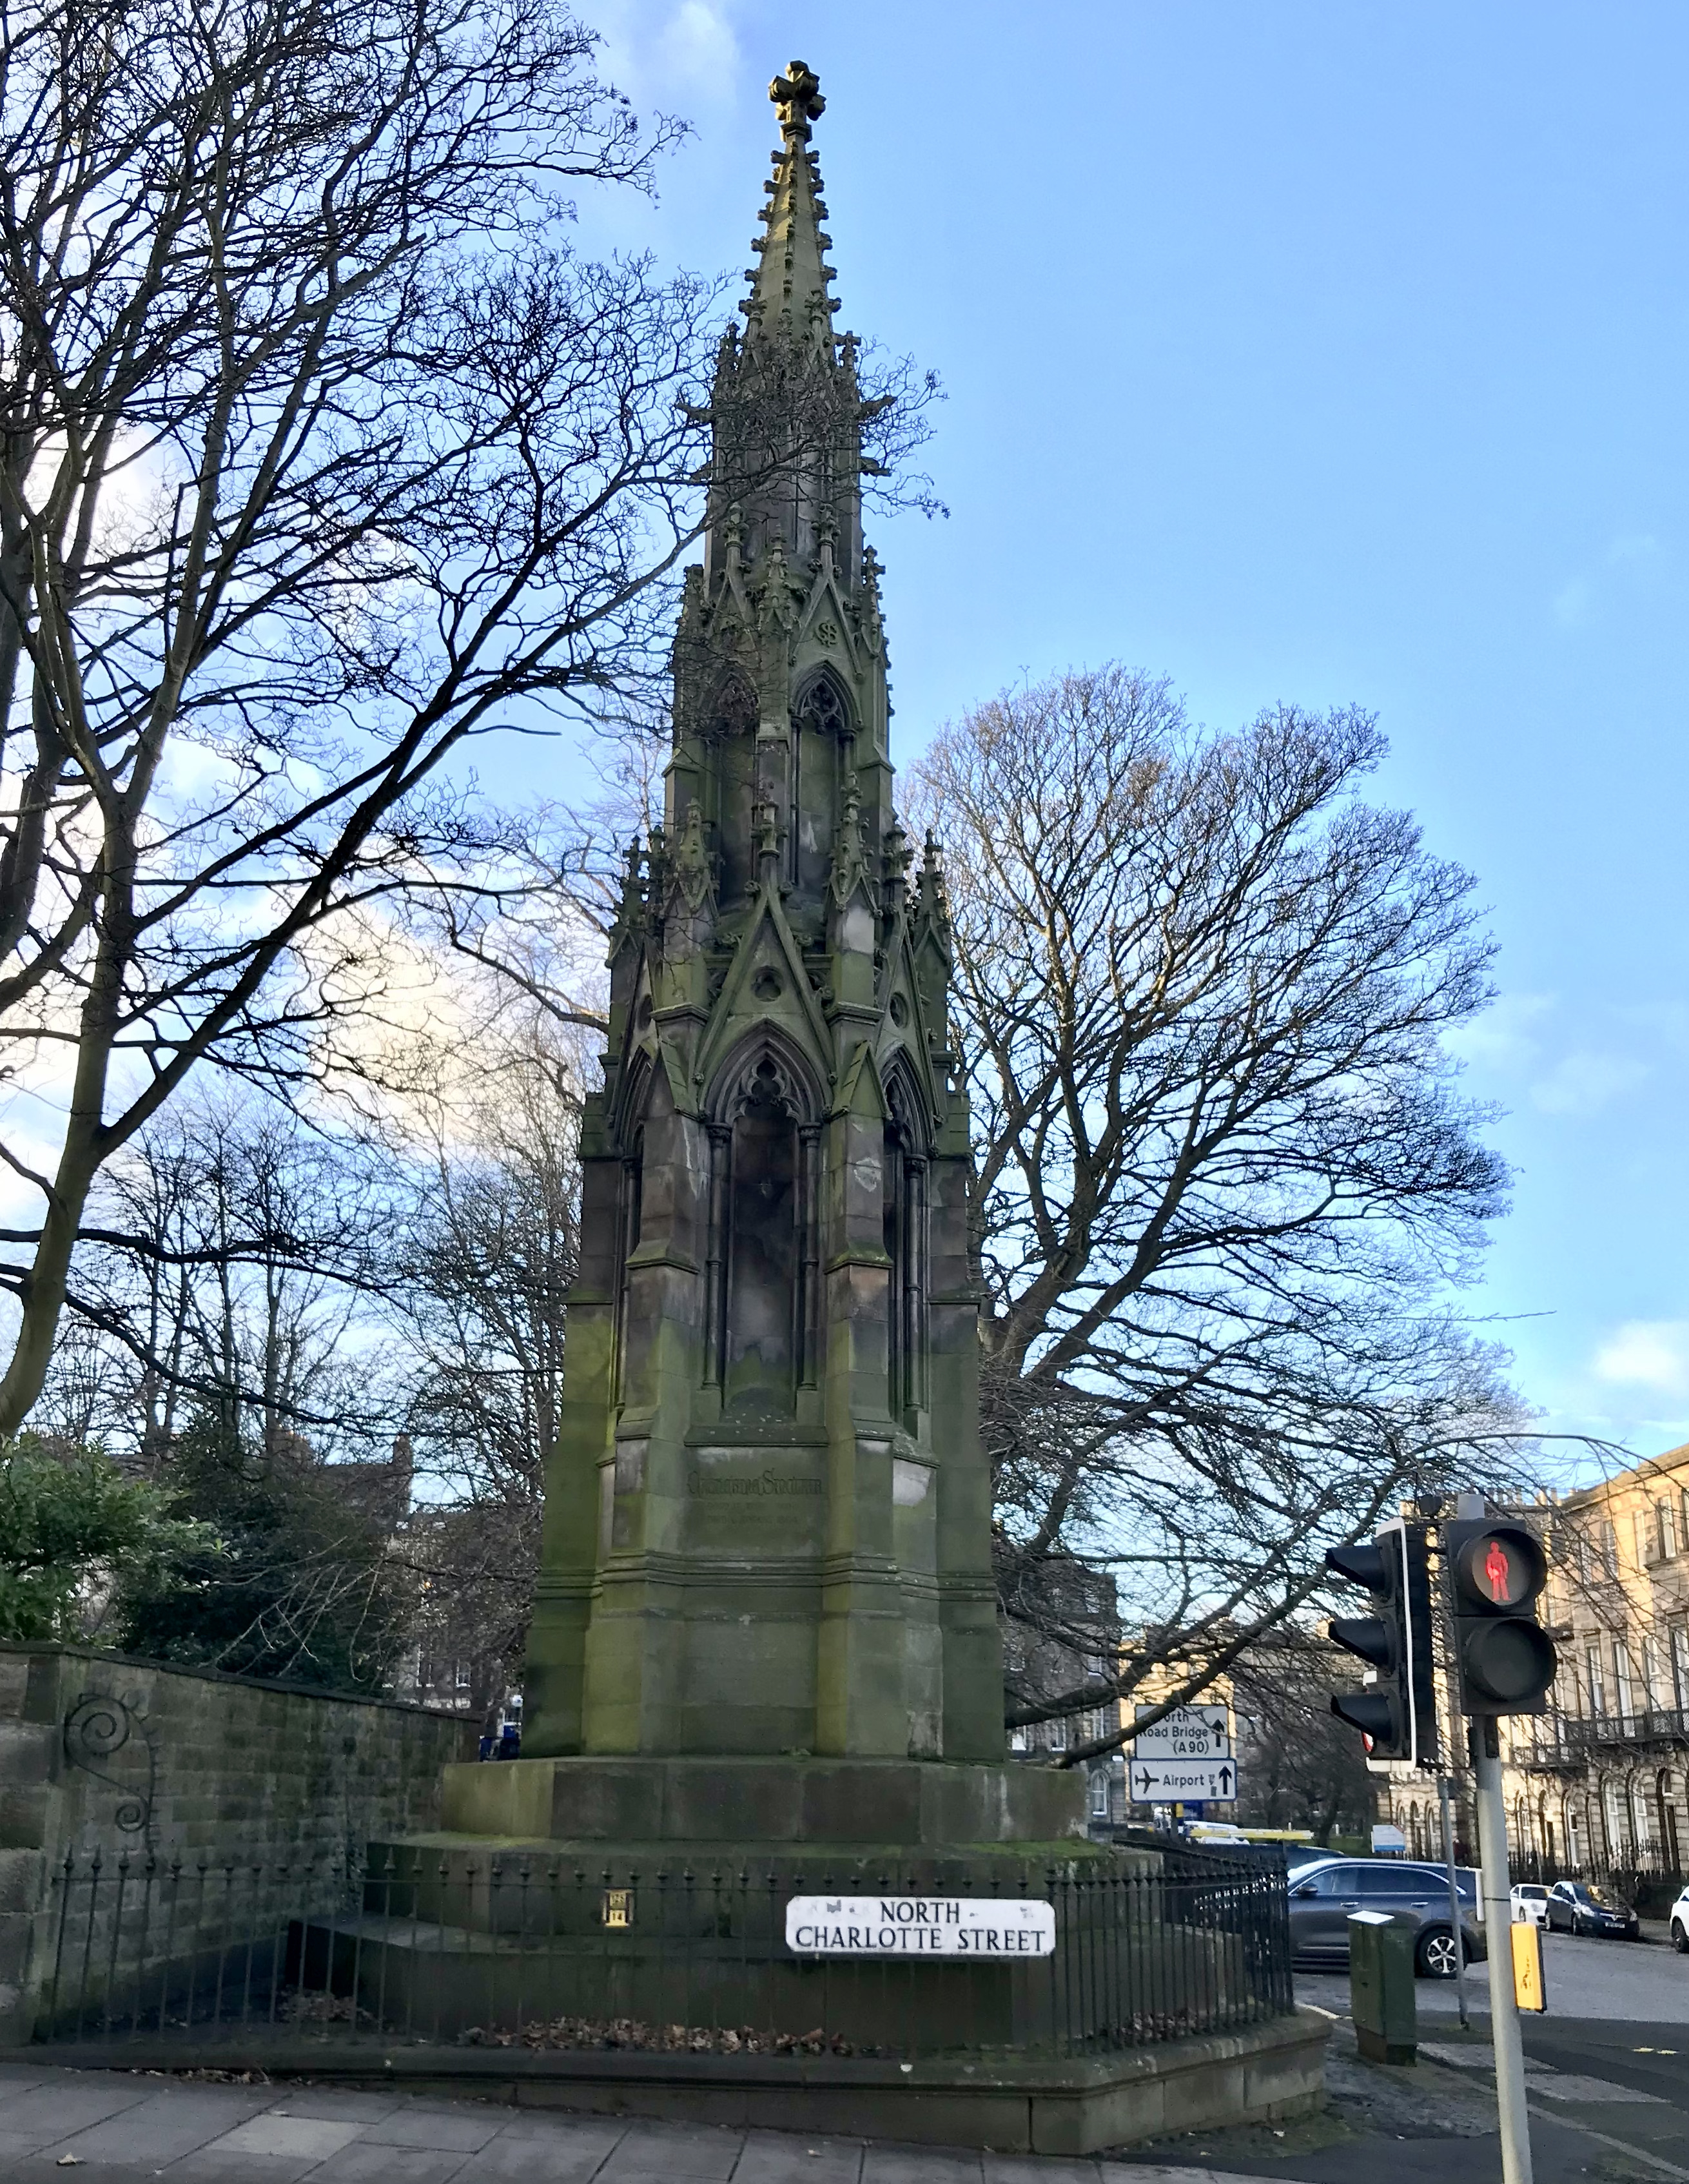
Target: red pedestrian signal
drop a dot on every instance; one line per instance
(1504, 1660)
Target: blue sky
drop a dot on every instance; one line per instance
(1328, 353)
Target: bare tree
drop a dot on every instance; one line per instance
(229, 1262)
(1300, 1766)
(321, 451)
(480, 1311)
(1224, 1175)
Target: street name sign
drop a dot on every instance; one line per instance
(1188, 1732)
(920, 1926)
(1174, 1781)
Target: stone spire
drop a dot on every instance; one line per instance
(790, 287)
(785, 408)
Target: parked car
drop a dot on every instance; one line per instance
(1321, 1897)
(1580, 1907)
(1529, 1903)
(1678, 1917)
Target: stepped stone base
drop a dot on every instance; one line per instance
(1009, 2104)
(778, 1804)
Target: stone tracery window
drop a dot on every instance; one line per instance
(823, 709)
(906, 1248)
(735, 711)
(730, 784)
(821, 728)
(761, 1273)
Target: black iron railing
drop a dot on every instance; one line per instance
(1560, 1740)
(534, 1955)
(1631, 1871)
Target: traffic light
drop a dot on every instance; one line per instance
(1399, 1716)
(1504, 1659)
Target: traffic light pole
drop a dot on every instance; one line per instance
(1492, 1843)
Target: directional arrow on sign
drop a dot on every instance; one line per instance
(1164, 1782)
(1187, 1732)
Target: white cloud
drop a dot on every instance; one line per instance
(1636, 565)
(685, 54)
(1502, 1038)
(1572, 603)
(701, 49)
(1647, 1353)
(1583, 1082)
(1632, 550)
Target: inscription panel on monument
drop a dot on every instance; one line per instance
(776, 1497)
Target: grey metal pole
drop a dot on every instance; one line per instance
(1444, 1787)
(1492, 1840)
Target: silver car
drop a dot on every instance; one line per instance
(1321, 1897)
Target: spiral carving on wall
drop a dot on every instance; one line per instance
(97, 1729)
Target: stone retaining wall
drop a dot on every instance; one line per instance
(99, 1750)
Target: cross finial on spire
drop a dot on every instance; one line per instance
(797, 95)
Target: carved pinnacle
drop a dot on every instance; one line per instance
(797, 100)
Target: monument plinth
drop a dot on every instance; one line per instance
(765, 1610)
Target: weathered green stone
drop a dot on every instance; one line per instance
(768, 1514)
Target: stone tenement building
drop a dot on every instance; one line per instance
(1600, 1778)
(767, 1522)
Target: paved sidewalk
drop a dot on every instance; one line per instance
(111, 2127)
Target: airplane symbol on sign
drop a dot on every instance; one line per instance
(1225, 1775)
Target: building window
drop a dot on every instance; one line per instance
(1667, 1514)
(1640, 1523)
(1597, 1687)
(1018, 1740)
(1610, 1548)
(1099, 1789)
(1655, 1688)
(1624, 1691)
(463, 1675)
(1058, 1737)
(1680, 1665)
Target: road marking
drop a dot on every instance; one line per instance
(1571, 2086)
(1619, 2145)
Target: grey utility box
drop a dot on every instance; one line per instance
(1381, 1985)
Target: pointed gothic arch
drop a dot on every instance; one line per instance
(632, 1093)
(907, 1101)
(823, 726)
(773, 1045)
(729, 782)
(823, 703)
(732, 709)
(762, 1288)
(907, 1239)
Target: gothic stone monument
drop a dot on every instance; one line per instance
(766, 1613)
